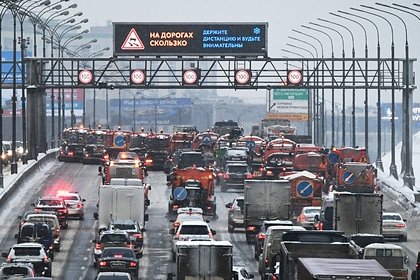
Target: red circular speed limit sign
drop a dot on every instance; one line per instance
(137, 77)
(294, 77)
(242, 77)
(190, 77)
(85, 77)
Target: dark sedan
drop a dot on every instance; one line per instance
(119, 259)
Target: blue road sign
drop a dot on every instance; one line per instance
(180, 193)
(305, 189)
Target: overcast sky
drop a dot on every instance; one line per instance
(282, 16)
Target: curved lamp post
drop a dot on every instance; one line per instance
(332, 82)
(393, 167)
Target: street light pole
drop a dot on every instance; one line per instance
(407, 151)
(393, 167)
(343, 114)
(366, 81)
(379, 163)
(332, 82)
(321, 133)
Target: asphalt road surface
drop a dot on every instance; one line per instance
(74, 261)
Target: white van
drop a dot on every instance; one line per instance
(52, 221)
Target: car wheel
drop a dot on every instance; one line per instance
(57, 248)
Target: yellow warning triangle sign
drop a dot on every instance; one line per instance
(132, 42)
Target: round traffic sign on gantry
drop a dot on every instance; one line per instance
(242, 77)
(206, 139)
(304, 189)
(190, 77)
(137, 77)
(180, 193)
(73, 137)
(333, 157)
(90, 139)
(85, 76)
(294, 77)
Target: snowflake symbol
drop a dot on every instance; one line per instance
(257, 30)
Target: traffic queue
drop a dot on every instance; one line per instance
(300, 203)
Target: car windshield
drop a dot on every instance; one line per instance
(237, 169)
(37, 219)
(15, 271)
(112, 252)
(69, 197)
(194, 229)
(25, 251)
(113, 238)
(363, 241)
(113, 277)
(312, 210)
(123, 226)
(391, 217)
(49, 202)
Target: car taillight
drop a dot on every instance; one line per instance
(175, 207)
(226, 176)
(98, 246)
(208, 207)
(261, 236)
(64, 211)
(102, 263)
(321, 225)
(251, 228)
(149, 160)
(400, 225)
(70, 153)
(249, 176)
(138, 235)
(210, 235)
(177, 235)
(80, 205)
(303, 218)
(233, 207)
(45, 259)
(130, 246)
(220, 174)
(86, 155)
(176, 224)
(133, 264)
(269, 173)
(9, 259)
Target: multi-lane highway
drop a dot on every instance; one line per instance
(74, 261)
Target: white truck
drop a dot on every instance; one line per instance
(122, 199)
(264, 200)
(352, 213)
(201, 260)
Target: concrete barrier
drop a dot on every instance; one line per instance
(13, 182)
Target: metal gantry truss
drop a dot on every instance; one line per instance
(216, 73)
(318, 74)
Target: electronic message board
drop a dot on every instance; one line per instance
(210, 39)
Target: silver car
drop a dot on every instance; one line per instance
(307, 215)
(394, 226)
(75, 204)
(236, 213)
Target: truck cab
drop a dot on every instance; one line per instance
(390, 256)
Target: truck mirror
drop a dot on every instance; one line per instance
(146, 217)
(16, 235)
(406, 259)
(95, 216)
(147, 202)
(4, 255)
(213, 232)
(169, 276)
(171, 231)
(316, 218)
(228, 205)
(100, 169)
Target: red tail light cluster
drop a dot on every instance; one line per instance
(80, 205)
